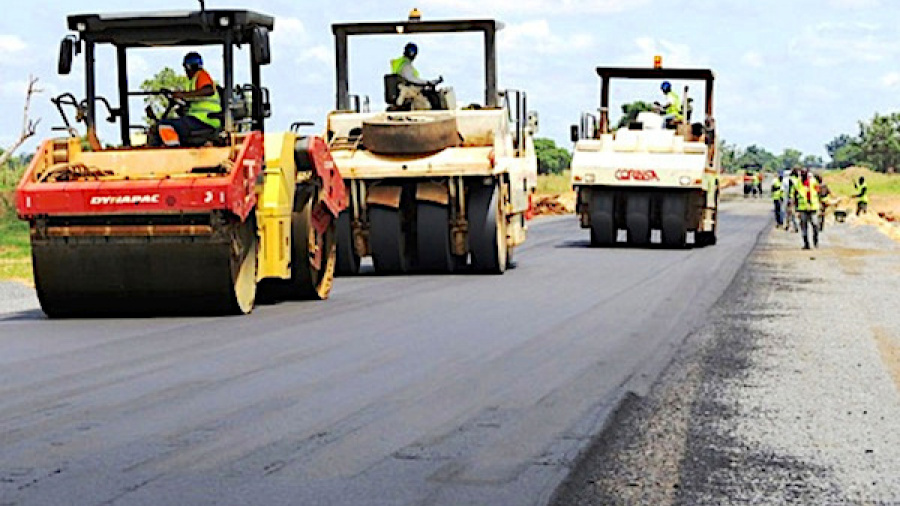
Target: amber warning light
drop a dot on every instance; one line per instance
(657, 62)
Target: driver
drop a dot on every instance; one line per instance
(672, 107)
(203, 105)
(419, 92)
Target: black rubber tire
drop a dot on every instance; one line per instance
(637, 218)
(674, 220)
(307, 282)
(603, 225)
(409, 133)
(487, 230)
(347, 259)
(388, 240)
(433, 240)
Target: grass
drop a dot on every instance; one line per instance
(15, 248)
(554, 183)
(841, 182)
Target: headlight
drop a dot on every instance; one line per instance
(684, 181)
(589, 178)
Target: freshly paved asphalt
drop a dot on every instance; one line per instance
(438, 390)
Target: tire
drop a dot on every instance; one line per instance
(637, 218)
(674, 220)
(388, 240)
(487, 230)
(433, 239)
(603, 225)
(347, 259)
(308, 282)
(409, 134)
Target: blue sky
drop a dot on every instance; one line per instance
(790, 73)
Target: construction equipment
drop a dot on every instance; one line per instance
(134, 229)
(651, 174)
(437, 189)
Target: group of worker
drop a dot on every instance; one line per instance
(803, 193)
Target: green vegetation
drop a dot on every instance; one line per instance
(15, 253)
(841, 182)
(554, 183)
(164, 79)
(552, 159)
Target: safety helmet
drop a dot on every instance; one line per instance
(411, 50)
(193, 61)
(666, 87)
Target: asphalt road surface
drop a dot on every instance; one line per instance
(438, 390)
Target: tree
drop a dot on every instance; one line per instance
(813, 161)
(756, 158)
(879, 141)
(164, 79)
(551, 158)
(29, 126)
(729, 155)
(789, 159)
(836, 144)
(846, 156)
(630, 112)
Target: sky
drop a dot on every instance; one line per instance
(789, 73)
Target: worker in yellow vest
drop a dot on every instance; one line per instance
(806, 194)
(777, 198)
(203, 116)
(415, 92)
(862, 194)
(672, 106)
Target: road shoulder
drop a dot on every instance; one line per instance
(789, 394)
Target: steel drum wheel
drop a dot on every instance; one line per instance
(347, 259)
(308, 282)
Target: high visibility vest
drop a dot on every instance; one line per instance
(397, 65)
(674, 107)
(863, 191)
(777, 190)
(202, 107)
(807, 194)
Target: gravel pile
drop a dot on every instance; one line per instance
(789, 395)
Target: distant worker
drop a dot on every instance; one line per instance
(824, 200)
(790, 208)
(415, 91)
(759, 183)
(777, 198)
(806, 194)
(672, 106)
(862, 194)
(203, 106)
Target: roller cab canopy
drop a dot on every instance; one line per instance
(685, 74)
(413, 25)
(184, 28)
(127, 31)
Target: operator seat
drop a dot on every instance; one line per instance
(392, 84)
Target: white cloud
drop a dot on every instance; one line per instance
(289, 32)
(11, 44)
(753, 59)
(854, 4)
(545, 7)
(536, 36)
(673, 54)
(829, 44)
(891, 80)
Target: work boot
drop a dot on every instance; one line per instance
(806, 246)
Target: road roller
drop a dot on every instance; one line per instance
(205, 223)
(654, 180)
(440, 188)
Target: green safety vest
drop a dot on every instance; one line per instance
(398, 63)
(674, 108)
(202, 107)
(777, 190)
(863, 191)
(807, 197)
